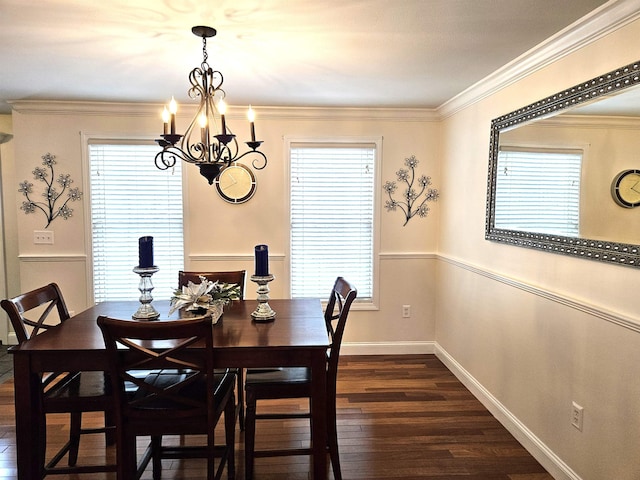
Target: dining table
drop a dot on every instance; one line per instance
(297, 337)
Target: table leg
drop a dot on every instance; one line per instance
(319, 414)
(28, 419)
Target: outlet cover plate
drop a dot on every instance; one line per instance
(43, 237)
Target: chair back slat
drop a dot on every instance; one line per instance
(49, 297)
(342, 296)
(236, 276)
(178, 393)
(177, 375)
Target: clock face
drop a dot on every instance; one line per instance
(236, 183)
(625, 188)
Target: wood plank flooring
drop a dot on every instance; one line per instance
(399, 417)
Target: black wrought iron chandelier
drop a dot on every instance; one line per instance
(205, 143)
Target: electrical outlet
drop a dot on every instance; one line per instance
(577, 415)
(406, 311)
(42, 237)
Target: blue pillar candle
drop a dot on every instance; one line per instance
(145, 252)
(262, 260)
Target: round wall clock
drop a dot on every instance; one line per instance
(236, 183)
(625, 188)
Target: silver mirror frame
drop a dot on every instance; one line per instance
(605, 251)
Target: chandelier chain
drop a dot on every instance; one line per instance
(205, 55)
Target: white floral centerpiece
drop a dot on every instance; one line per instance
(206, 295)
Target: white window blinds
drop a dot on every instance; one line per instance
(131, 198)
(538, 190)
(332, 218)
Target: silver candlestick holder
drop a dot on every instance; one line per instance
(146, 311)
(263, 312)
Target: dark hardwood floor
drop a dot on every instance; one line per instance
(399, 417)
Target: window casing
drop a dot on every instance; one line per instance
(538, 190)
(333, 215)
(131, 198)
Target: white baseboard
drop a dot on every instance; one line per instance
(12, 339)
(543, 454)
(387, 348)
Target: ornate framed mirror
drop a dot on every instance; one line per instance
(568, 150)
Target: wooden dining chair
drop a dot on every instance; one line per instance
(293, 382)
(62, 392)
(234, 276)
(182, 396)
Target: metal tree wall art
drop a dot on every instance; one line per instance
(414, 199)
(51, 194)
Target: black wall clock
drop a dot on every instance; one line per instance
(236, 183)
(625, 188)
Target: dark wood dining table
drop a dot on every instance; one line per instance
(298, 337)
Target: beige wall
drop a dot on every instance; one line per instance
(531, 331)
(6, 161)
(220, 235)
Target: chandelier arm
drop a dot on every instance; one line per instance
(168, 157)
(257, 163)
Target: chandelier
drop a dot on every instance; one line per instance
(208, 141)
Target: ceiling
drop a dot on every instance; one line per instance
(334, 53)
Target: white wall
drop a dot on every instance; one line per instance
(531, 331)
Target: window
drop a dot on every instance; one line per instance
(332, 207)
(131, 198)
(538, 190)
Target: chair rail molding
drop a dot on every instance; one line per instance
(613, 317)
(408, 256)
(51, 258)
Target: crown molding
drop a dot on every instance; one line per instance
(602, 21)
(59, 107)
(591, 121)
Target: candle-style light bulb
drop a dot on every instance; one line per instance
(222, 108)
(173, 108)
(165, 120)
(202, 120)
(252, 116)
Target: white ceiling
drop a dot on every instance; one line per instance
(344, 53)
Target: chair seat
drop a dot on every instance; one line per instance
(263, 377)
(223, 383)
(87, 390)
